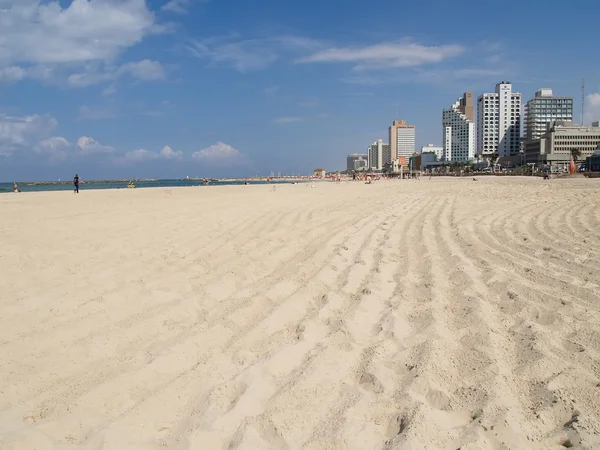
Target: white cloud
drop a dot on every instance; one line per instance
(145, 70)
(20, 132)
(592, 108)
(249, 54)
(40, 32)
(288, 119)
(141, 155)
(54, 143)
(11, 74)
(88, 145)
(220, 154)
(42, 39)
(176, 6)
(58, 148)
(246, 55)
(385, 55)
(168, 153)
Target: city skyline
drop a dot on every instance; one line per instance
(183, 88)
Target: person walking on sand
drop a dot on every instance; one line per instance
(76, 183)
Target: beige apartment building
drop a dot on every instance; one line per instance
(402, 139)
(554, 147)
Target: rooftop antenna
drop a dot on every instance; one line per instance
(582, 99)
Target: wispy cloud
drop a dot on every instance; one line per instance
(421, 76)
(288, 119)
(385, 55)
(246, 55)
(180, 6)
(11, 74)
(176, 6)
(145, 70)
(17, 133)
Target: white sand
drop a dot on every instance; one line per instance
(432, 314)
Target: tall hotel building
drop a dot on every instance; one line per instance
(458, 123)
(499, 121)
(378, 155)
(543, 109)
(402, 139)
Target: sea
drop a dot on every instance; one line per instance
(30, 187)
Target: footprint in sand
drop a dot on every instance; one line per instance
(438, 400)
(226, 396)
(543, 316)
(396, 427)
(369, 382)
(572, 347)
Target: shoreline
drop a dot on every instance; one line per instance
(6, 188)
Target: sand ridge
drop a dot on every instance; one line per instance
(433, 314)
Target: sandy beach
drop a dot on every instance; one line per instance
(437, 314)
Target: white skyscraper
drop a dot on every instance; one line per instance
(499, 121)
(459, 130)
(379, 154)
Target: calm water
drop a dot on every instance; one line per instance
(8, 187)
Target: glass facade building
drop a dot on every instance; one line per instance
(543, 109)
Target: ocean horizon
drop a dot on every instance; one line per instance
(44, 186)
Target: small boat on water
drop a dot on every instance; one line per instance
(131, 185)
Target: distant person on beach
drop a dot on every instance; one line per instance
(16, 187)
(76, 183)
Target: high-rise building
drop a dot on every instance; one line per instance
(499, 121)
(402, 139)
(379, 154)
(356, 161)
(437, 149)
(543, 109)
(459, 130)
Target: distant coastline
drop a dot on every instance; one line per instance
(41, 186)
(153, 180)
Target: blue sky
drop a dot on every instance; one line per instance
(158, 88)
